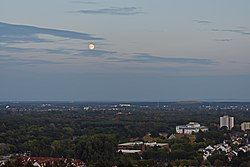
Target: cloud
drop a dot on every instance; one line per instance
(18, 50)
(238, 31)
(84, 2)
(80, 53)
(147, 58)
(202, 21)
(10, 33)
(2, 57)
(223, 40)
(93, 53)
(10, 60)
(112, 11)
(60, 51)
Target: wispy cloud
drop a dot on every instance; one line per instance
(10, 33)
(84, 2)
(223, 40)
(11, 49)
(11, 60)
(238, 31)
(60, 51)
(202, 21)
(94, 53)
(147, 58)
(112, 11)
(14, 39)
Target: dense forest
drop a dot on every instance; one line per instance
(93, 135)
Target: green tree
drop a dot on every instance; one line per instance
(97, 149)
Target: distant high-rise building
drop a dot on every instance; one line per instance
(227, 122)
(245, 126)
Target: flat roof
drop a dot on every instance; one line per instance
(130, 151)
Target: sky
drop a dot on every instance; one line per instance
(145, 50)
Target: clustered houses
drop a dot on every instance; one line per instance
(4, 159)
(139, 147)
(208, 151)
(226, 148)
(237, 142)
(47, 161)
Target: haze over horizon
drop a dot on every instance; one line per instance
(162, 50)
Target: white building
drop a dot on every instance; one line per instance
(191, 127)
(227, 122)
(129, 151)
(245, 126)
(139, 147)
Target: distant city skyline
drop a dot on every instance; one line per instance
(162, 50)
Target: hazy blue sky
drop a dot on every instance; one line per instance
(146, 50)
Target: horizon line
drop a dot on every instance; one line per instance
(128, 101)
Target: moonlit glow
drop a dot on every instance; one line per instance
(91, 46)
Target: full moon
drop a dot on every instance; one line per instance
(91, 46)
